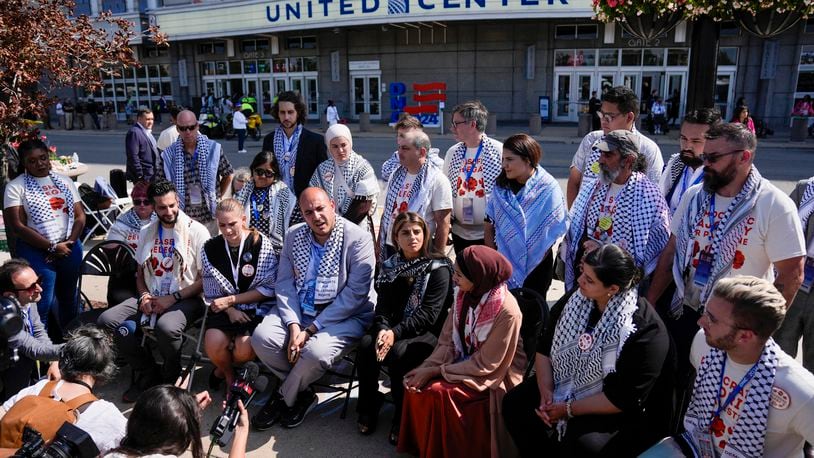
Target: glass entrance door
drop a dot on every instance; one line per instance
(562, 87)
(366, 95)
(675, 93)
(723, 93)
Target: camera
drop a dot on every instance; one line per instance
(246, 385)
(70, 442)
(11, 322)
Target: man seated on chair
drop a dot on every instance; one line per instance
(323, 307)
(19, 281)
(169, 287)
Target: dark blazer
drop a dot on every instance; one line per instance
(310, 153)
(142, 155)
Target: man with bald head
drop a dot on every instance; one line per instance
(323, 306)
(199, 170)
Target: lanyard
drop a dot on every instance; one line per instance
(254, 204)
(161, 243)
(744, 381)
(193, 160)
(711, 221)
(474, 162)
(235, 266)
(684, 181)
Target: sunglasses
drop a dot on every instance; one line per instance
(186, 128)
(144, 202)
(263, 173)
(713, 157)
(31, 289)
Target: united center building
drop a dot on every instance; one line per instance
(379, 56)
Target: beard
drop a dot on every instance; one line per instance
(608, 176)
(713, 181)
(169, 219)
(724, 343)
(689, 159)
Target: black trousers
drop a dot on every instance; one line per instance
(404, 356)
(590, 435)
(17, 377)
(539, 279)
(460, 243)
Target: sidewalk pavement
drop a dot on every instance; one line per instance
(565, 133)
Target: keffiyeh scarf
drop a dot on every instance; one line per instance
(418, 269)
(330, 262)
(577, 373)
(748, 437)
(207, 156)
(478, 323)
(40, 208)
(418, 201)
(528, 224)
(490, 158)
(217, 284)
(287, 158)
(806, 207)
(641, 223)
(359, 180)
(132, 221)
(182, 254)
(281, 200)
(725, 240)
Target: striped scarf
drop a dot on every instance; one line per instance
(577, 373)
(39, 206)
(281, 200)
(132, 221)
(725, 240)
(490, 158)
(330, 262)
(479, 321)
(806, 207)
(418, 201)
(417, 269)
(360, 180)
(287, 158)
(206, 150)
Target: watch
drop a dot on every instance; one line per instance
(177, 296)
(310, 331)
(52, 248)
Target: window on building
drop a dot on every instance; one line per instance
(220, 68)
(631, 57)
(564, 57)
(809, 25)
(212, 47)
(608, 57)
(301, 42)
(254, 45)
(653, 57)
(730, 29)
(207, 68)
(805, 81)
(576, 32)
(678, 57)
(250, 66)
(280, 65)
(114, 6)
(309, 42)
(263, 66)
(727, 56)
(235, 68)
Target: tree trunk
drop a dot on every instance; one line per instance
(703, 64)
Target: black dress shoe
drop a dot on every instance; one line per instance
(306, 401)
(270, 413)
(393, 437)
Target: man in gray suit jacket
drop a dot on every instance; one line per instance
(19, 281)
(323, 306)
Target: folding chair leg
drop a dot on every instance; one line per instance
(197, 355)
(344, 412)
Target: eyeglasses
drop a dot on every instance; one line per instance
(455, 124)
(186, 128)
(144, 202)
(263, 173)
(713, 157)
(607, 117)
(31, 289)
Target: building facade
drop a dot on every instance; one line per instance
(380, 56)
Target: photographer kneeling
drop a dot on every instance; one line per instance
(19, 281)
(86, 360)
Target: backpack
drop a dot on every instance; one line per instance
(40, 412)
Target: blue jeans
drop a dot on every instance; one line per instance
(59, 281)
(241, 138)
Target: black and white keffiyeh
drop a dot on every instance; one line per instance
(806, 207)
(641, 223)
(418, 269)
(676, 169)
(418, 201)
(577, 373)
(359, 180)
(207, 154)
(40, 208)
(287, 158)
(216, 284)
(281, 201)
(749, 434)
(330, 262)
(490, 158)
(132, 221)
(725, 240)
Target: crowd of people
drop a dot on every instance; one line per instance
(686, 288)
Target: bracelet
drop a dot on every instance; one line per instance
(568, 410)
(141, 298)
(309, 331)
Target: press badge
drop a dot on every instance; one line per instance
(326, 288)
(468, 207)
(195, 195)
(307, 302)
(808, 275)
(705, 446)
(704, 269)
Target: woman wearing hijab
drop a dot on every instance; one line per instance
(266, 200)
(603, 381)
(525, 215)
(347, 177)
(414, 289)
(452, 401)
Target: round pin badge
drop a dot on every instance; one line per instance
(247, 270)
(595, 167)
(247, 257)
(167, 262)
(780, 399)
(585, 342)
(329, 176)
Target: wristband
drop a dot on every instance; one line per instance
(568, 410)
(141, 298)
(309, 331)
(177, 296)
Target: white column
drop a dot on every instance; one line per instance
(131, 6)
(94, 8)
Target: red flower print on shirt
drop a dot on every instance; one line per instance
(461, 192)
(458, 183)
(56, 203)
(403, 207)
(153, 263)
(739, 259)
(717, 427)
(159, 273)
(479, 193)
(471, 184)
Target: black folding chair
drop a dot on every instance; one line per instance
(115, 260)
(534, 308)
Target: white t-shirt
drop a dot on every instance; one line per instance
(468, 225)
(772, 233)
(15, 197)
(168, 137)
(791, 414)
(239, 121)
(122, 232)
(198, 235)
(440, 199)
(101, 419)
(648, 148)
(604, 224)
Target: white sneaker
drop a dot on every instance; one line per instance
(243, 151)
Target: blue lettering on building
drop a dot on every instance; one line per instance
(345, 7)
(369, 9)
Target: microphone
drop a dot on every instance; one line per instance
(245, 387)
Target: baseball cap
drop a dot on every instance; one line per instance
(619, 140)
